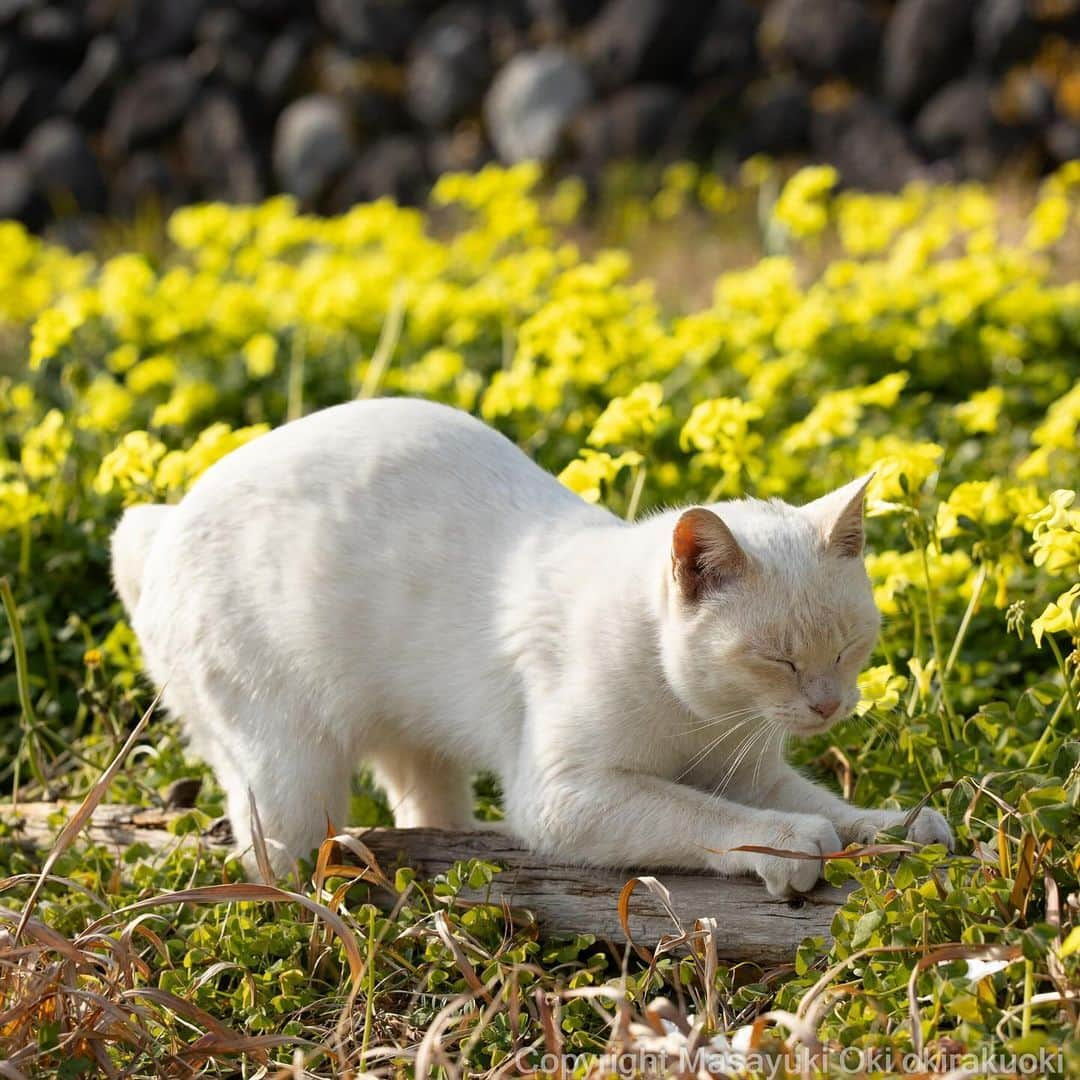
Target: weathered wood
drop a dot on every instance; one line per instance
(750, 925)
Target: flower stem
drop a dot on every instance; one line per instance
(635, 494)
(935, 639)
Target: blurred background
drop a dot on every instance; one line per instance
(109, 106)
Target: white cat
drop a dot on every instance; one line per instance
(393, 582)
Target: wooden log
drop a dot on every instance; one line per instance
(750, 924)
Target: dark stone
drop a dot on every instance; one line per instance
(395, 166)
(276, 12)
(955, 116)
(151, 106)
(380, 27)
(20, 198)
(531, 101)
(55, 33)
(822, 38)
(449, 66)
(154, 29)
(147, 182)
(728, 49)
(1005, 33)
(65, 168)
(279, 69)
(371, 89)
(87, 93)
(182, 794)
(220, 151)
(554, 17)
(313, 146)
(1024, 99)
(231, 46)
(10, 10)
(28, 96)
(640, 40)
(636, 122)
(926, 43)
(777, 118)
(1063, 141)
(865, 144)
(465, 150)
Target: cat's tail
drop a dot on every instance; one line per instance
(130, 545)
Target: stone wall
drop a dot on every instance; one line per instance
(109, 104)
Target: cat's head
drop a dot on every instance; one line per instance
(770, 611)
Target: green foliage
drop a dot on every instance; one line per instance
(921, 335)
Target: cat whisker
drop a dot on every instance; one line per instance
(726, 717)
(704, 753)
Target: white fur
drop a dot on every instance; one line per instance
(391, 581)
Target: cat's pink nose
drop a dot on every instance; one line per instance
(826, 707)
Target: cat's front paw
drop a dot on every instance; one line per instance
(804, 833)
(929, 827)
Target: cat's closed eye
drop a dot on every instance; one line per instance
(783, 660)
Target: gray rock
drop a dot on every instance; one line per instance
(393, 166)
(531, 102)
(27, 97)
(1005, 33)
(280, 66)
(1063, 141)
(154, 29)
(866, 145)
(313, 145)
(640, 40)
(151, 106)
(382, 27)
(727, 49)
(65, 168)
(220, 150)
(87, 93)
(449, 66)
(146, 181)
(956, 115)
(926, 43)
(822, 38)
(777, 118)
(20, 198)
(640, 121)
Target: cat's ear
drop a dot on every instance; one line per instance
(839, 517)
(704, 553)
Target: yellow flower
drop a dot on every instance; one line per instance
(803, 204)
(131, 465)
(1059, 616)
(630, 419)
(880, 688)
(151, 373)
(1055, 530)
(979, 414)
(186, 402)
(105, 405)
(18, 505)
(900, 469)
(260, 355)
(46, 446)
(588, 474)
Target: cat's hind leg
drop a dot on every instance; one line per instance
(424, 790)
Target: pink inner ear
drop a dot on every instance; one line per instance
(703, 551)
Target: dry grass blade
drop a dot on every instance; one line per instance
(82, 815)
(442, 928)
(258, 842)
(253, 892)
(865, 851)
(661, 893)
